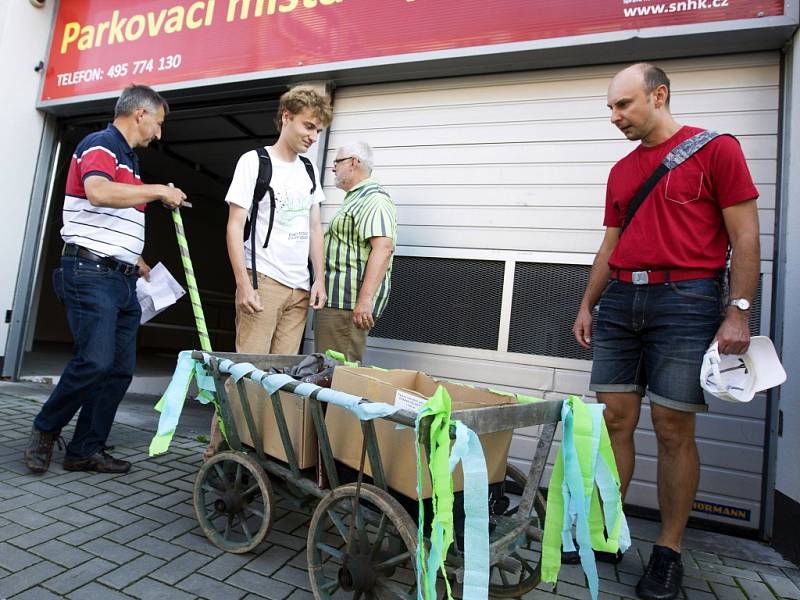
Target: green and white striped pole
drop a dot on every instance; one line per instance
(191, 282)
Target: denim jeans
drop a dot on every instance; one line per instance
(653, 337)
(103, 314)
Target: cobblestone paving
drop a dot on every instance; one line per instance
(93, 536)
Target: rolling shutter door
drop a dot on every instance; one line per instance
(499, 182)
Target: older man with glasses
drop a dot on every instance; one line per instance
(359, 245)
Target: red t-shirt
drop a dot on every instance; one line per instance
(679, 225)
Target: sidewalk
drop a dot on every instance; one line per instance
(92, 536)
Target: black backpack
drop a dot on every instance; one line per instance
(261, 188)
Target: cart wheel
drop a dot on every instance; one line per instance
(233, 501)
(379, 563)
(505, 583)
(519, 479)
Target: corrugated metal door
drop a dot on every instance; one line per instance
(499, 182)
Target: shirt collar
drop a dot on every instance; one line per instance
(112, 129)
(361, 184)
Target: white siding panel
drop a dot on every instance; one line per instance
(518, 163)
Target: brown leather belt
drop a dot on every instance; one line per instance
(656, 277)
(106, 261)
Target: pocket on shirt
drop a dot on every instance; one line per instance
(684, 184)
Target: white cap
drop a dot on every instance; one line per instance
(737, 377)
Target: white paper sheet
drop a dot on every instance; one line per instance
(157, 294)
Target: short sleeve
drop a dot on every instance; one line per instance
(97, 161)
(612, 216)
(729, 174)
(377, 217)
(243, 183)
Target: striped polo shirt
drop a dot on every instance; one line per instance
(366, 212)
(114, 232)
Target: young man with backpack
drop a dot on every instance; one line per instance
(274, 228)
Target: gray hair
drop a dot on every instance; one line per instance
(135, 97)
(362, 151)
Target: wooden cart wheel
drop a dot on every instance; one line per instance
(504, 583)
(233, 501)
(378, 563)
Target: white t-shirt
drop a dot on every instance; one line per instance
(286, 257)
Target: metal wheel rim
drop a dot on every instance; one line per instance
(513, 585)
(392, 544)
(241, 484)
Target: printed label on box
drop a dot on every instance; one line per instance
(406, 401)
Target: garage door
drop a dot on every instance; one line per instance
(499, 183)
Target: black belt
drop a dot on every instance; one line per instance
(106, 261)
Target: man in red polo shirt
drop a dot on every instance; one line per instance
(658, 290)
(103, 233)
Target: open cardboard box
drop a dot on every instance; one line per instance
(295, 409)
(410, 389)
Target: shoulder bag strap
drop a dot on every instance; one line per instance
(677, 156)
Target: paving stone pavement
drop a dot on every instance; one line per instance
(94, 536)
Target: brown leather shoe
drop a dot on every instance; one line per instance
(101, 462)
(40, 449)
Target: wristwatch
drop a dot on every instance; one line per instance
(740, 303)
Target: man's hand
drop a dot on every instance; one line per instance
(144, 269)
(733, 335)
(172, 197)
(318, 296)
(362, 315)
(582, 329)
(248, 300)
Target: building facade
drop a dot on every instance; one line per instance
(491, 132)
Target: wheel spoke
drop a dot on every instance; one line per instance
(228, 527)
(394, 561)
(222, 477)
(330, 586)
(238, 479)
(250, 490)
(329, 550)
(337, 521)
(391, 591)
(379, 535)
(256, 512)
(246, 529)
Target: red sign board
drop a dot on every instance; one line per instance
(100, 46)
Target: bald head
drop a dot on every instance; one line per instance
(638, 97)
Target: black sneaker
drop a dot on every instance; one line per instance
(40, 449)
(572, 557)
(663, 575)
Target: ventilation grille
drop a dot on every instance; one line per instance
(545, 302)
(444, 301)
(546, 299)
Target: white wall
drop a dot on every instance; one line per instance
(24, 31)
(787, 473)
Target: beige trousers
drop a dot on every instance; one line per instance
(334, 330)
(278, 329)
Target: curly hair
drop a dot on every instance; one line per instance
(301, 97)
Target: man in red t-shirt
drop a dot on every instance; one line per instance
(658, 292)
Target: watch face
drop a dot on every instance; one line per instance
(740, 303)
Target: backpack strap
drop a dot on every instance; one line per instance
(677, 156)
(262, 187)
(310, 170)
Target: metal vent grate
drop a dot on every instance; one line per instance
(444, 301)
(545, 302)
(546, 299)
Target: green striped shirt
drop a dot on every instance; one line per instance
(367, 212)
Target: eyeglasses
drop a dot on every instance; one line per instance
(338, 160)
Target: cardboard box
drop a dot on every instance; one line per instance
(295, 409)
(398, 455)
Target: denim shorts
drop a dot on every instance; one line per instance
(651, 338)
